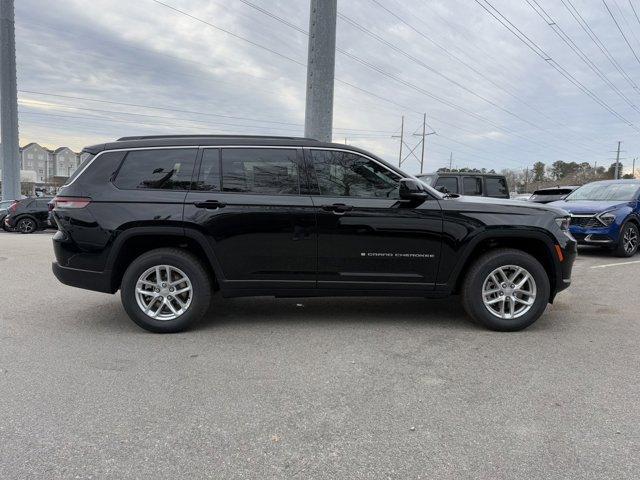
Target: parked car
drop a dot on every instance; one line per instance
(4, 209)
(28, 215)
(551, 194)
(606, 213)
(468, 183)
(168, 220)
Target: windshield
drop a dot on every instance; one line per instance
(623, 192)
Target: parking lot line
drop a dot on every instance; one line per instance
(616, 264)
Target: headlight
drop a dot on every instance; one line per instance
(563, 223)
(606, 218)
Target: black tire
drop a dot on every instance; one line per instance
(192, 268)
(477, 274)
(26, 225)
(622, 250)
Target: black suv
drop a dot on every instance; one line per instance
(28, 215)
(169, 220)
(468, 183)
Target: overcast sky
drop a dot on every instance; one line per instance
(90, 71)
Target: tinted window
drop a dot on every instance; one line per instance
(344, 174)
(268, 171)
(496, 187)
(164, 169)
(472, 186)
(209, 177)
(450, 183)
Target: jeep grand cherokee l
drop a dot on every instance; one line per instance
(169, 220)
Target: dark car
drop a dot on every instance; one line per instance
(607, 214)
(169, 220)
(28, 215)
(468, 183)
(551, 194)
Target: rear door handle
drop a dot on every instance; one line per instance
(209, 204)
(337, 208)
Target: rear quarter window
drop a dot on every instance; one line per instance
(496, 187)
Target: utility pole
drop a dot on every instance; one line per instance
(526, 179)
(321, 62)
(424, 133)
(450, 161)
(9, 103)
(617, 174)
(633, 168)
(401, 137)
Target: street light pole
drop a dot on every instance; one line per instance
(318, 122)
(9, 103)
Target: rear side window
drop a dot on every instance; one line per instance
(80, 169)
(269, 171)
(450, 183)
(496, 187)
(163, 169)
(472, 186)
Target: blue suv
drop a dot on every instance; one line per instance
(606, 213)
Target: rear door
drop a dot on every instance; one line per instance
(472, 186)
(367, 238)
(251, 204)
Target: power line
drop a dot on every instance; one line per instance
(550, 21)
(621, 32)
(388, 75)
(533, 46)
(575, 13)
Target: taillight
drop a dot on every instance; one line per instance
(71, 202)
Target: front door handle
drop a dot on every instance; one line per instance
(209, 204)
(337, 208)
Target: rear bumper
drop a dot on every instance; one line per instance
(86, 279)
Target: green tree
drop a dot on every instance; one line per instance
(538, 171)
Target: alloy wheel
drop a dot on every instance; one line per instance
(26, 225)
(164, 292)
(509, 292)
(630, 240)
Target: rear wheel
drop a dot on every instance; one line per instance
(629, 240)
(506, 290)
(166, 290)
(27, 225)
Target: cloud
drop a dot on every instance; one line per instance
(491, 100)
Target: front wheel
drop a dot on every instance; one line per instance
(166, 290)
(506, 290)
(629, 240)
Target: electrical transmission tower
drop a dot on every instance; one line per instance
(420, 144)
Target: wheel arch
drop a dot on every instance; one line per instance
(537, 244)
(135, 241)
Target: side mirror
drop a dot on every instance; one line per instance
(411, 189)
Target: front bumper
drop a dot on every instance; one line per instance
(596, 236)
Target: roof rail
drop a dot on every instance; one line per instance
(158, 137)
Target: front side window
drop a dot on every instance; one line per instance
(450, 184)
(163, 169)
(269, 171)
(472, 186)
(346, 174)
(496, 187)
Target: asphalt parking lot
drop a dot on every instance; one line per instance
(317, 388)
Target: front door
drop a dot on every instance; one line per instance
(248, 203)
(368, 239)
